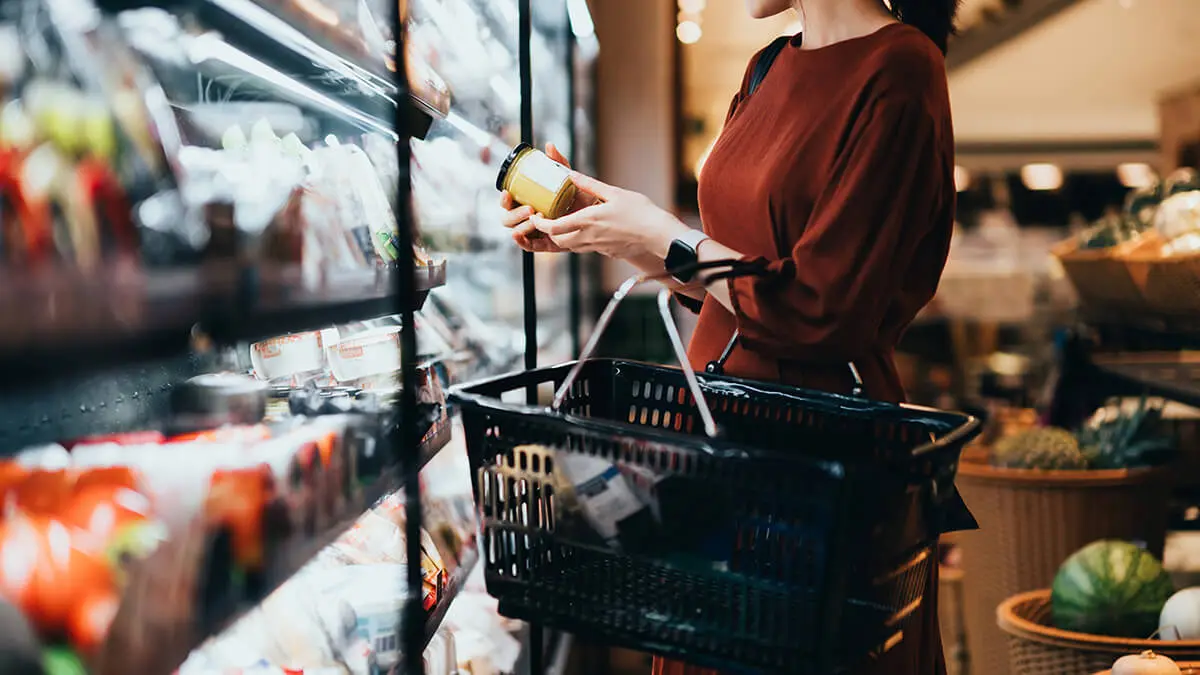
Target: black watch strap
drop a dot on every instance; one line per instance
(683, 255)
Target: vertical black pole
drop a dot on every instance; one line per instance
(525, 35)
(404, 445)
(574, 269)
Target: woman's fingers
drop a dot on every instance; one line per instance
(556, 228)
(553, 153)
(506, 201)
(516, 216)
(594, 187)
(530, 233)
(527, 229)
(570, 242)
(540, 244)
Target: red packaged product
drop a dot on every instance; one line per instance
(128, 438)
(237, 499)
(233, 434)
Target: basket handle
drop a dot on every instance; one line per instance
(718, 367)
(736, 268)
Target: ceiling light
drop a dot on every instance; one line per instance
(692, 6)
(1136, 175)
(962, 178)
(1042, 176)
(688, 32)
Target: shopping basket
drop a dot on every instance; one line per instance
(733, 524)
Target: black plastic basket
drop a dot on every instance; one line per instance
(766, 547)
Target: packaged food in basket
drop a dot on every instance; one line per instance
(595, 492)
(1110, 588)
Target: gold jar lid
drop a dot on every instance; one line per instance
(508, 162)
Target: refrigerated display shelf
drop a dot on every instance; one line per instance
(312, 63)
(163, 639)
(104, 402)
(458, 579)
(1171, 375)
(72, 325)
(267, 35)
(267, 305)
(295, 556)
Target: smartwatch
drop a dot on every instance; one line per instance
(682, 254)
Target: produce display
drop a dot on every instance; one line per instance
(1141, 259)
(1116, 437)
(1180, 616)
(1110, 588)
(1042, 448)
(1145, 663)
(1134, 220)
(1169, 210)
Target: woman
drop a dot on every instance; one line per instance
(837, 174)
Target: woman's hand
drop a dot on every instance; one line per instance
(523, 232)
(623, 224)
(517, 217)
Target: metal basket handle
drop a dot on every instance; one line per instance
(718, 367)
(736, 268)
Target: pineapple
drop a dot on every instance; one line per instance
(1045, 448)
(1117, 438)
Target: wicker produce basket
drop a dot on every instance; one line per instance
(1101, 277)
(950, 616)
(1030, 521)
(1168, 285)
(1037, 648)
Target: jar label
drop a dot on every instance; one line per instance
(544, 171)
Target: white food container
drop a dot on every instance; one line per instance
(287, 356)
(369, 355)
(376, 593)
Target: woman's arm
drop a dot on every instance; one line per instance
(829, 295)
(652, 264)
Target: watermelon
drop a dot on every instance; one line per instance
(62, 661)
(1110, 588)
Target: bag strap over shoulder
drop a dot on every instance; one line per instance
(765, 60)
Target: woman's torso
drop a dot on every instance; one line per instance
(774, 162)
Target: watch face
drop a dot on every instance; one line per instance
(680, 255)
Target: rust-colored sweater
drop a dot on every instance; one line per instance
(838, 172)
